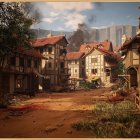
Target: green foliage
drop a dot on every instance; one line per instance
(112, 121)
(88, 85)
(119, 69)
(14, 27)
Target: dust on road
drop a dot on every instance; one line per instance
(50, 115)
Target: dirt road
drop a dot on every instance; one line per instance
(50, 115)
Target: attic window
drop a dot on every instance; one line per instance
(88, 47)
(100, 46)
(94, 71)
(50, 50)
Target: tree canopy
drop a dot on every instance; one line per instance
(15, 24)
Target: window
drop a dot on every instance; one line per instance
(62, 64)
(35, 63)
(100, 46)
(13, 61)
(75, 70)
(93, 60)
(49, 65)
(19, 83)
(21, 61)
(83, 62)
(75, 62)
(29, 63)
(50, 50)
(94, 71)
(107, 72)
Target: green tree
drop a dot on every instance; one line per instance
(15, 21)
(15, 24)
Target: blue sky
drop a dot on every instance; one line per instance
(67, 15)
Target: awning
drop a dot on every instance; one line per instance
(93, 78)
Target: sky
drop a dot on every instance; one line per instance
(65, 16)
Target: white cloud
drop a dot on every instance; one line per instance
(54, 14)
(66, 14)
(48, 20)
(76, 6)
(60, 29)
(73, 20)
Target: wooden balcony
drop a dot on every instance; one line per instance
(16, 69)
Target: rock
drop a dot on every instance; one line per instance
(50, 129)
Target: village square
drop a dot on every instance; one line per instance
(67, 86)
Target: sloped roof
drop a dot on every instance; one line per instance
(51, 40)
(106, 53)
(29, 52)
(116, 48)
(74, 55)
(127, 43)
(106, 45)
(109, 54)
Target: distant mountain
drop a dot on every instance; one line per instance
(43, 33)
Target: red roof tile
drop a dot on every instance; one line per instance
(127, 43)
(116, 48)
(29, 52)
(110, 54)
(52, 40)
(74, 55)
(87, 47)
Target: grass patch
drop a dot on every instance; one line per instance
(112, 121)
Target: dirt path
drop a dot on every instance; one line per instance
(51, 115)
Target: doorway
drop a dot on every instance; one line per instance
(133, 77)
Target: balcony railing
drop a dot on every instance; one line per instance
(17, 69)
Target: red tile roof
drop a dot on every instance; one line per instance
(29, 52)
(87, 47)
(74, 55)
(127, 43)
(110, 54)
(116, 48)
(52, 40)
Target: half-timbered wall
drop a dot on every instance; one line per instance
(74, 67)
(132, 57)
(95, 64)
(18, 72)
